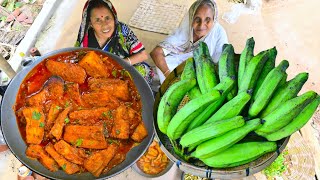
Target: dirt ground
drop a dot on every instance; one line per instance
(15, 24)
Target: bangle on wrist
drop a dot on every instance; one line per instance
(129, 60)
(168, 71)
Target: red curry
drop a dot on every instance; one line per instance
(79, 111)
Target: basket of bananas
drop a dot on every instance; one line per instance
(232, 119)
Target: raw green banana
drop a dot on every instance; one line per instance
(239, 163)
(180, 121)
(221, 143)
(239, 154)
(283, 80)
(206, 75)
(284, 93)
(210, 130)
(252, 71)
(297, 123)
(170, 101)
(245, 57)
(227, 68)
(189, 72)
(231, 109)
(232, 93)
(268, 66)
(268, 87)
(226, 63)
(285, 113)
(194, 92)
(224, 87)
(224, 46)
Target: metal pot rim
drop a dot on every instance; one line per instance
(17, 146)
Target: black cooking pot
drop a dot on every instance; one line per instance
(18, 146)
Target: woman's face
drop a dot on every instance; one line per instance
(102, 21)
(202, 22)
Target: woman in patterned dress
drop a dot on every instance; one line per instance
(101, 29)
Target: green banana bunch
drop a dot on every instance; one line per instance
(245, 57)
(206, 75)
(231, 109)
(210, 126)
(210, 130)
(297, 123)
(227, 68)
(269, 85)
(285, 113)
(223, 142)
(224, 87)
(187, 73)
(180, 121)
(170, 101)
(252, 71)
(284, 93)
(239, 154)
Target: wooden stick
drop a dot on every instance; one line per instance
(6, 67)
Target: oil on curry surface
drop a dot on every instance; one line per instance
(79, 111)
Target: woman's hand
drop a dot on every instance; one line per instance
(158, 58)
(136, 58)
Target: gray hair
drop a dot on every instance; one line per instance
(211, 3)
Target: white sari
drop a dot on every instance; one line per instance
(179, 46)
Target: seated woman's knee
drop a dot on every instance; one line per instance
(156, 52)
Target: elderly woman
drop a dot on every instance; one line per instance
(200, 24)
(101, 29)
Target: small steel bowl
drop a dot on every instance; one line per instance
(164, 171)
(139, 171)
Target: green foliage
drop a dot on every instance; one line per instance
(42, 124)
(57, 108)
(66, 120)
(18, 5)
(277, 167)
(114, 73)
(64, 166)
(79, 142)
(3, 18)
(77, 44)
(36, 115)
(4, 3)
(10, 6)
(67, 104)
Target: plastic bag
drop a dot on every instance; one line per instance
(250, 7)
